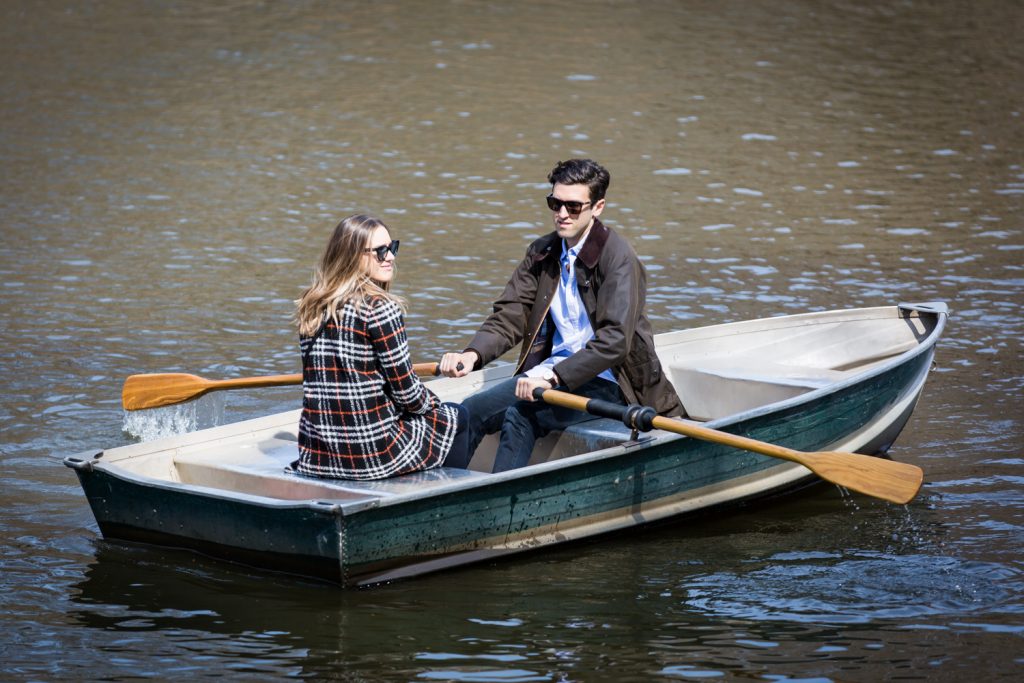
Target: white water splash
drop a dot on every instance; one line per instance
(157, 423)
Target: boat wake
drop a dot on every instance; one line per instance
(157, 423)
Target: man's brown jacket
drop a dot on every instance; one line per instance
(612, 284)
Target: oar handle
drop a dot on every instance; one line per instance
(633, 416)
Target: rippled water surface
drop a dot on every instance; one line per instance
(172, 169)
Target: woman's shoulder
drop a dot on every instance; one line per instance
(381, 308)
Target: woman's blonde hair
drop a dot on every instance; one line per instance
(341, 276)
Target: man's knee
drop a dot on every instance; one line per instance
(524, 418)
(513, 415)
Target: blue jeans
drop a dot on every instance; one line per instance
(521, 423)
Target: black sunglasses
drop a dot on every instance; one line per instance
(574, 208)
(382, 251)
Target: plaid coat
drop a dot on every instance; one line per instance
(365, 413)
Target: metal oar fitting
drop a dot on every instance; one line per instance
(639, 417)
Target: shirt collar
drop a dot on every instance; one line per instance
(575, 251)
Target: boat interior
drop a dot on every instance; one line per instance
(716, 374)
(264, 468)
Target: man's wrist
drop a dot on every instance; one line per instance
(476, 358)
(544, 374)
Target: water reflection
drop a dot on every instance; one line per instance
(711, 595)
(127, 592)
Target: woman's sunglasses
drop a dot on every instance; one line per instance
(574, 208)
(382, 251)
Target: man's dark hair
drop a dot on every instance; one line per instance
(582, 172)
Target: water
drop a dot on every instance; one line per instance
(171, 171)
(179, 418)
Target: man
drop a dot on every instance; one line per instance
(576, 302)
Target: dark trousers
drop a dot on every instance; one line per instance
(460, 455)
(521, 423)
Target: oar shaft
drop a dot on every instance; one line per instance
(628, 415)
(893, 481)
(742, 442)
(421, 369)
(157, 390)
(256, 382)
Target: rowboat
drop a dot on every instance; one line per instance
(843, 380)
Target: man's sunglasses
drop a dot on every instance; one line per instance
(574, 208)
(382, 251)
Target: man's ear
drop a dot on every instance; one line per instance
(598, 207)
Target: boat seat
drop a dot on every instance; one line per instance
(265, 471)
(590, 435)
(582, 437)
(715, 387)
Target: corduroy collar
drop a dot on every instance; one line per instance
(592, 248)
(591, 252)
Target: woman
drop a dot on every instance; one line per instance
(365, 413)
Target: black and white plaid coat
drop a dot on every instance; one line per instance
(365, 413)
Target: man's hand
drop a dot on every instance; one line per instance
(526, 385)
(458, 364)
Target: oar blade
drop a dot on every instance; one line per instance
(156, 390)
(896, 482)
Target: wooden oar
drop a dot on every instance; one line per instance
(893, 481)
(166, 389)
